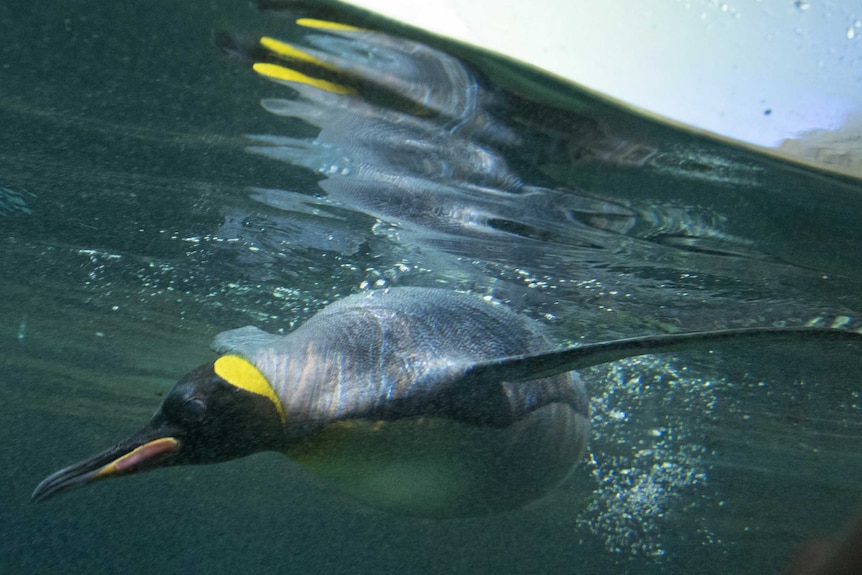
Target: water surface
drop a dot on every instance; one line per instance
(155, 191)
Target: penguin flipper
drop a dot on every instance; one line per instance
(242, 340)
(474, 393)
(536, 366)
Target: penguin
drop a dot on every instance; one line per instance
(416, 401)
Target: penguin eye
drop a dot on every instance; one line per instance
(194, 410)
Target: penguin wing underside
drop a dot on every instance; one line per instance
(242, 341)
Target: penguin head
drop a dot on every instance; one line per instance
(220, 411)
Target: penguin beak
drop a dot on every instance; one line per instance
(146, 449)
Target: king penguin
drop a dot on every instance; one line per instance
(416, 401)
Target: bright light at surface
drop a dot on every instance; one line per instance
(761, 72)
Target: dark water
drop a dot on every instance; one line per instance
(149, 201)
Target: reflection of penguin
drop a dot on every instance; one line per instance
(419, 401)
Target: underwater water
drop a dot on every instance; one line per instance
(155, 190)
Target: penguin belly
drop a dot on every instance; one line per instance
(435, 467)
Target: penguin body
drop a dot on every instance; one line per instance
(416, 401)
(363, 385)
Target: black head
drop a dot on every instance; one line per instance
(220, 411)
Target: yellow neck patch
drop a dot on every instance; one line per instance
(240, 373)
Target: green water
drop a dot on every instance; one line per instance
(137, 225)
